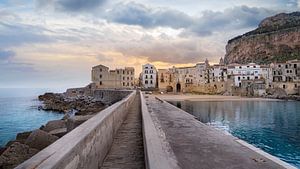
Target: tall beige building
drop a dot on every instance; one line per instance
(102, 77)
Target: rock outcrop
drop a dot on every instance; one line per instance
(84, 105)
(277, 38)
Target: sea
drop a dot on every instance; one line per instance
(273, 126)
(19, 112)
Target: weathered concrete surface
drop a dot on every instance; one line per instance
(158, 153)
(86, 146)
(199, 146)
(127, 150)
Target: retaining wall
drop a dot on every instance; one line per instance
(87, 145)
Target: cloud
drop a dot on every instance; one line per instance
(5, 55)
(137, 14)
(299, 4)
(238, 17)
(70, 5)
(169, 51)
(12, 35)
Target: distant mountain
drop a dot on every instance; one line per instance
(277, 38)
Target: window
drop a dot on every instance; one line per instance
(256, 77)
(295, 85)
(131, 78)
(100, 83)
(240, 67)
(283, 86)
(146, 81)
(146, 77)
(151, 77)
(248, 78)
(279, 65)
(128, 72)
(286, 66)
(127, 83)
(239, 78)
(123, 83)
(123, 78)
(127, 78)
(100, 76)
(254, 66)
(123, 72)
(151, 82)
(287, 71)
(100, 70)
(295, 66)
(118, 72)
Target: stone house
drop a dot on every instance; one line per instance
(149, 76)
(103, 78)
(286, 75)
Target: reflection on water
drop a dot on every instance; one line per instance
(273, 126)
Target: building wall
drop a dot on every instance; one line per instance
(103, 78)
(149, 76)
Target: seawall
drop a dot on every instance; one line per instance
(86, 146)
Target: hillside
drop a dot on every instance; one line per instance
(277, 38)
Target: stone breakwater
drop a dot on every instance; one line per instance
(83, 105)
(29, 143)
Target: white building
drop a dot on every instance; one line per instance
(149, 76)
(249, 71)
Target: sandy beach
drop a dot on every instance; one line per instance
(191, 97)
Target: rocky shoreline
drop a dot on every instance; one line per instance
(77, 110)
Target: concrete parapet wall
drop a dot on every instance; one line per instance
(157, 154)
(87, 145)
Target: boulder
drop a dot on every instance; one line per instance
(76, 121)
(15, 154)
(2, 149)
(59, 132)
(21, 137)
(55, 124)
(39, 139)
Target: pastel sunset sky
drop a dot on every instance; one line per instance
(54, 43)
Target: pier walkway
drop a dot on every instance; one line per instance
(197, 145)
(127, 151)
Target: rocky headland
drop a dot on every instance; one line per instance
(77, 109)
(277, 38)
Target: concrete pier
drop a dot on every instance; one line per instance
(197, 145)
(127, 151)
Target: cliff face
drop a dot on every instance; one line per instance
(276, 39)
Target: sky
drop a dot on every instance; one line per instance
(55, 43)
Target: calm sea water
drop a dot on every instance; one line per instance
(19, 113)
(272, 126)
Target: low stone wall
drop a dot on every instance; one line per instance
(156, 152)
(110, 96)
(87, 145)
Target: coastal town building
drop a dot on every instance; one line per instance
(102, 77)
(149, 76)
(286, 75)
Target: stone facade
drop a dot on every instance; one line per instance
(103, 78)
(149, 76)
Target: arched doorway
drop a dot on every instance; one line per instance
(169, 89)
(178, 87)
